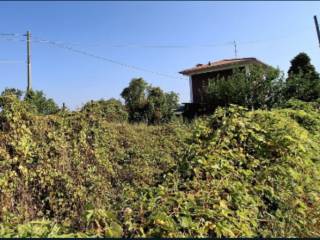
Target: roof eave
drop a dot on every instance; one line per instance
(190, 72)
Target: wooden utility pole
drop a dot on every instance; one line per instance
(317, 28)
(235, 49)
(28, 61)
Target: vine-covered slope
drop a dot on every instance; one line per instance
(235, 173)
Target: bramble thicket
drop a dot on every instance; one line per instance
(103, 171)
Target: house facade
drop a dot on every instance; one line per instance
(200, 75)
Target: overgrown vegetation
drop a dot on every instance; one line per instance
(303, 80)
(239, 172)
(40, 104)
(261, 88)
(149, 104)
(111, 110)
(235, 173)
(265, 87)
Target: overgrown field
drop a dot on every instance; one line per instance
(235, 173)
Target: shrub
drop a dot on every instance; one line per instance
(303, 80)
(253, 174)
(235, 173)
(261, 88)
(41, 105)
(111, 110)
(61, 167)
(149, 104)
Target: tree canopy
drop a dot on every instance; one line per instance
(111, 110)
(17, 92)
(40, 103)
(303, 80)
(261, 88)
(146, 103)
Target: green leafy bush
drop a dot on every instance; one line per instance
(111, 110)
(235, 173)
(243, 174)
(40, 104)
(149, 104)
(58, 167)
(260, 88)
(303, 80)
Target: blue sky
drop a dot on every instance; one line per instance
(273, 32)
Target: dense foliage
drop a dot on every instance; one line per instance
(247, 170)
(111, 110)
(246, 174)
(17, 92)
(73, 168)
(149, 104)
(37, 102)
(265, 87)
(40, 103)
(234, 173)
(303, 80)
(261, 88)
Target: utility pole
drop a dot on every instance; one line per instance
(28, 61)
(317, 28)
(235, 49)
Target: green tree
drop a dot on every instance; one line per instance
(303, 80)
(260, 88)
(148, 104)
(111, 110)
(155, 103)
(172, 104)
(135, 99)
(17, 92)
(40, 103)
(160, 105)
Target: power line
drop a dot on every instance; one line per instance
(63, 46)
(10, 34)
(12, 39)
(181, 46)
(169, 46)
(11, 61)
(15, 37)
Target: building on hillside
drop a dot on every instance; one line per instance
(200, 74)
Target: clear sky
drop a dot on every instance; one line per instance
(164, 37)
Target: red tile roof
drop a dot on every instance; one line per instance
(220, 64)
